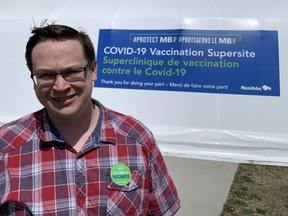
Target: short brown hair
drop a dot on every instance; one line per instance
(58, 32)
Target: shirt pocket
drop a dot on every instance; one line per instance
(130, 199)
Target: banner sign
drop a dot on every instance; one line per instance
(208, 61)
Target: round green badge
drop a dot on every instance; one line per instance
(120, 174)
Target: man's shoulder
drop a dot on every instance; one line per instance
(126, 125)
(18, 132)
(23, 121)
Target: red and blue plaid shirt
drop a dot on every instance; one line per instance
(40, 174)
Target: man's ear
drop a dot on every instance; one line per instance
(93, 69)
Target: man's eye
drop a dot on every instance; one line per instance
(71, 73)
(45, 76)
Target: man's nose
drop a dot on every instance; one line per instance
(60, 83)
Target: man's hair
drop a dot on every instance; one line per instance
(55, 32)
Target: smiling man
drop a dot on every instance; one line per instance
(76, 156)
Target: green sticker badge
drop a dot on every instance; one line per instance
(120, 174)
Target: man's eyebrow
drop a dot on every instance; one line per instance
(44, 71)
(56, 71)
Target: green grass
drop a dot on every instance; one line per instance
(258, 190)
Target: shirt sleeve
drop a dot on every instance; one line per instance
(4, 180)
(164, 199)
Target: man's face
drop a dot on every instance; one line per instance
(64, 100)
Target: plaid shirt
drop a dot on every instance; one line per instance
(40, 174)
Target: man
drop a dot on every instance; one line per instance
(75, 156)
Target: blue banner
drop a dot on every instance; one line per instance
(208, 61)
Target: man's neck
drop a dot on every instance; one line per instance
(76, 131)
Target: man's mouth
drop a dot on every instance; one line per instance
(62, 99)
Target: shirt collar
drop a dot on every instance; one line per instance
(47, 131)
(105, 129)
